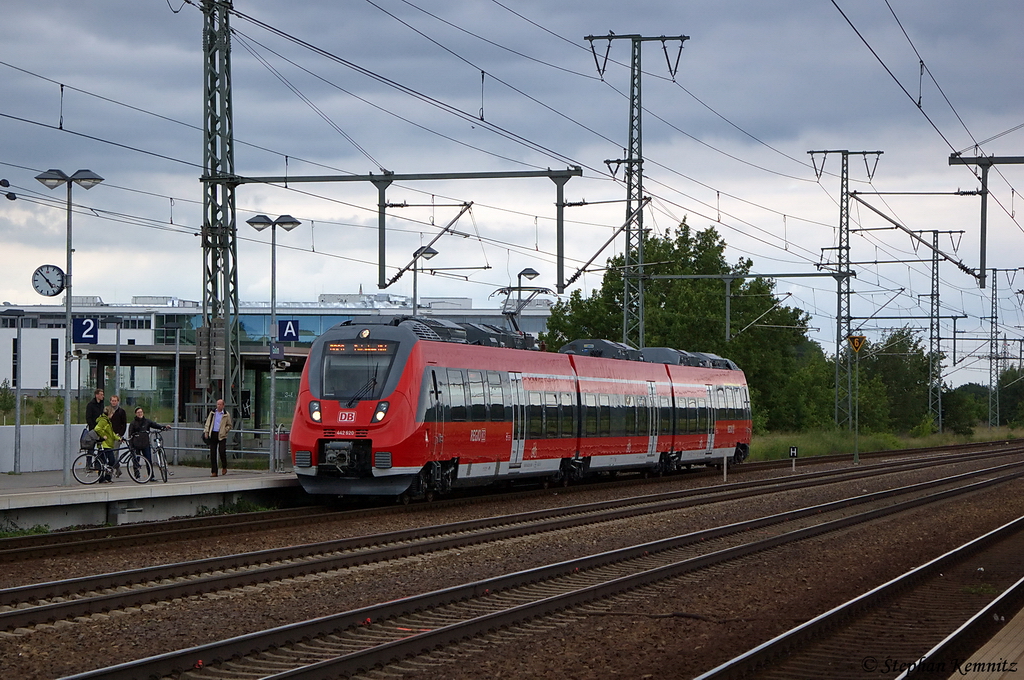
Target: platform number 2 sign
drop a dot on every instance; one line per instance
(85, 331)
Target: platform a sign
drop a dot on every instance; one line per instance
(288, 330)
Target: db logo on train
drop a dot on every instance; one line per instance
(347, 417)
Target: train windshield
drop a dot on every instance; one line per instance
(354, 371)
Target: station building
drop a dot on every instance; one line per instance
(136, 349)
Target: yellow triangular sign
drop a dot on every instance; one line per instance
(856, 342)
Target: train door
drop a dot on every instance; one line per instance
(710, 416)
(515, 460)
(436, 438)
(652, 420)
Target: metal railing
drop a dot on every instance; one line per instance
(188, 439)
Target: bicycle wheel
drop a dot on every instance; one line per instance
(87, 469)
(139, 469)
(160, 462)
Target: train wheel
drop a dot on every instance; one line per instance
(405, 498)
(429, 496)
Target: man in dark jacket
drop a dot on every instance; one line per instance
(118, 419)
(93, 409)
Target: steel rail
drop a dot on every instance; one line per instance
(763, 654)
(144, 533)
(174, 662)
(208, 575)
(963, 642)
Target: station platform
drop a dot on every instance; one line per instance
(1001, 658)
(39, 498)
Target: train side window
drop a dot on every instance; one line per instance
(497, 405)
(535, 416)
(665, 421)
(506, 393)
(746, 403)
(629, 415)
(682, 427)
(618, 415)
(477, 396)
(456, 394)
(430, 397)
(691, 416)
(643, 417)
(550, 415)
(568, 415)
(702, 416)
(605, 417)
(589, 415)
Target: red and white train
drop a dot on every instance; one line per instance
(419, 406)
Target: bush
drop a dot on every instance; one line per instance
(924, 428)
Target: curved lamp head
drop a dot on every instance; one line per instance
(86, 179)
(260, 222)
(287, 222)
(53, 178)
(529, 273)
(426, 252)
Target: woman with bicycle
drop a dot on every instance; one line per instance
(138, 433)
(109, 442)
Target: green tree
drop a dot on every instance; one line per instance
(7, 402)
(961, 410)
(38, 410)
(1011, 396)
(768, 338)
(901, 365)
(807, 400)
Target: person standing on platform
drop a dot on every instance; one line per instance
(109, 442)
(118, 421)
(218, 425)
(138, 433)
(94, 409)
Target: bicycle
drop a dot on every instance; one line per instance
(159, 457)
(90, 466)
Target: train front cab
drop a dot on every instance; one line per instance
(349, 435)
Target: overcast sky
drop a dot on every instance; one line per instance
(116, 87)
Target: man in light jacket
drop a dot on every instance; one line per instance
(218, 425)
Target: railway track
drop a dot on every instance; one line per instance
(353, 642)
(24, 606)
(926, 623)
(149, 533)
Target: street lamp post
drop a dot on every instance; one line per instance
(259, 223)
(530, 273)
(17, 314)
(424, 253)
(176, 325)
(117, 321)
(52, 179)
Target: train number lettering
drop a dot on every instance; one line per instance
(347, 417)
(478, 435)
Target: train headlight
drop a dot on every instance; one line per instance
(382, 410)
(314, 411)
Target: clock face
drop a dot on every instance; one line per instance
(48, 280)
